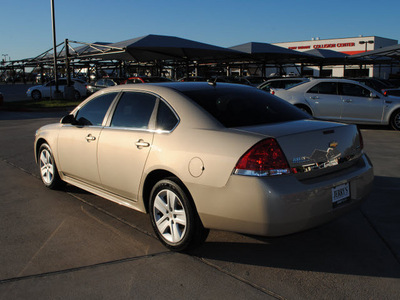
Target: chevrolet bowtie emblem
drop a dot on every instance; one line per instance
(333, 144)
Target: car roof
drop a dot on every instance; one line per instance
(194, 85)
(315, 81)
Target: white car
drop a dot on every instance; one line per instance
(281, 83)
(343, 100)
(46, 90)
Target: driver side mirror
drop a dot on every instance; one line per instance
(69, 119)
(373, 95)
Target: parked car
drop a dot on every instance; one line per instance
(198, 155)
(145, 79)
(38, 92)
(280, 83)
(103, 83)
(382, 86)
(192, 78)
(344, 100)
(251, 80)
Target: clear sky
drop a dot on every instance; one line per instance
(25, 25)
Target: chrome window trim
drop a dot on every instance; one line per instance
(153, 119)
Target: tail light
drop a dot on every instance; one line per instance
(263, 159)
(361, 139)
(272, 92)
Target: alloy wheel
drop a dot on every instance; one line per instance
(46, 167)
(170, 216)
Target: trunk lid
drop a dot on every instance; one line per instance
(312, 145)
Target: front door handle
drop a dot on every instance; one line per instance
(90, 138)
(347, 100)
(314, 97)
(141, 143)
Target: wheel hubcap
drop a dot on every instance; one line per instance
(170, 216)
(46, 167)
(397, 121)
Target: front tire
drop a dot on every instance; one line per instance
(36, 95)
(48, 169)
(174, 217)
(395, 120)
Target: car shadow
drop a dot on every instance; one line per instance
(364, 242)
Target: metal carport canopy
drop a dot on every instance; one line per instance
(268, 53)
(160, 47)
(391, 52)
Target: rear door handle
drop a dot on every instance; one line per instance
(347, 100)
(141, 143)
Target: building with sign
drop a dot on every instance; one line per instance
(348, 46)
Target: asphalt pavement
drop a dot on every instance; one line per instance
(71, 244)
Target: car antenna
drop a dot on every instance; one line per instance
(213, 83)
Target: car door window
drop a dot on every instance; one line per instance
(328, 88)
(166, 118)
(109, 82)
(100, 82)
(134, 110)
(355, 90)
(95, 110)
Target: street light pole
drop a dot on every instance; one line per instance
(366, 44)
(54, 46)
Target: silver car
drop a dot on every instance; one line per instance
(344, 100)
(199, 155)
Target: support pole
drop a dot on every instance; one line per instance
(57, 91)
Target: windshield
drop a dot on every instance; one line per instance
(236, 107)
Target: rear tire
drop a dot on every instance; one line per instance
(77, 95)
(174, 217)
(304, 109)
(395, 120)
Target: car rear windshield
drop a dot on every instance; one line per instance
(237, 107)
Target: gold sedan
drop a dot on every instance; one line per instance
(199, 156)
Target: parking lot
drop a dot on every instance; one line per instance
(72, 244)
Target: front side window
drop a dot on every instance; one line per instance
(134, 110)
(95, 110)
(328, 88)
(355, 90)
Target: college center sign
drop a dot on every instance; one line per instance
(323, 46)
(340, 45)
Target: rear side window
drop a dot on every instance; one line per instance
(349, 89)
(329, 88)
(166, 119)
(134, 110)
(94, 111)
(235, 107)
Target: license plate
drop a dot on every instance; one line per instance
(340, 194)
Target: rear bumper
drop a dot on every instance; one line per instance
(274, 206)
